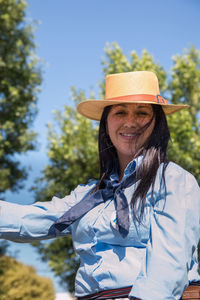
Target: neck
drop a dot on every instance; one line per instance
(123, 163)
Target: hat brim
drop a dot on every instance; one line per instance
(93, 109)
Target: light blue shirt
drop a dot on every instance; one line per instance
(158, 257)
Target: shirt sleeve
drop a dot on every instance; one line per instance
(174, 235)
(26, 223)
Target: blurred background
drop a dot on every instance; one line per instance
(62, 57)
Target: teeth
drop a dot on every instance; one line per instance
(128, 134)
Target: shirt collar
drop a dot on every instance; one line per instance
(132, 166)
(128, 170)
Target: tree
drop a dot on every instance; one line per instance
(72, 143)
(184, 87)
(71, 147)
(19, 81)
(73, 153)
(20, 282)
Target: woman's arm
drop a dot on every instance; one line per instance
(25, 223)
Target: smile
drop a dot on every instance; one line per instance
(128, 134)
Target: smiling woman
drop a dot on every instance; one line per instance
(129, 128)
(136, 228)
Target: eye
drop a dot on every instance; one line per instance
(142, 113)
(120, 112)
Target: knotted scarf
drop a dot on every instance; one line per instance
(113, 189)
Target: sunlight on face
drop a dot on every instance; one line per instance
(129, 127)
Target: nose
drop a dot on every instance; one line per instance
(130, 121)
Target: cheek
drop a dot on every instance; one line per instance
(110, 132)
(110, 126)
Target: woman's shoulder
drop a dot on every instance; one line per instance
(76, 195)
(177, 173)
(84, 188)
(176, 169)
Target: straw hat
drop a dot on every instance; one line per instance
(129, 87)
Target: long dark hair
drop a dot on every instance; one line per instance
(154, 153)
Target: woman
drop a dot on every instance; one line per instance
(136, 229)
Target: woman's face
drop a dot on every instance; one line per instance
(126, 128)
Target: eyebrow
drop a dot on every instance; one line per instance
(140, 106)
(144, 106)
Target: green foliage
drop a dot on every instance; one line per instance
(19, 80)
(185, 126)
(20, 282)
(184, 148)
(185, 84)
(72, 144)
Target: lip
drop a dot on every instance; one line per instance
(128, 135)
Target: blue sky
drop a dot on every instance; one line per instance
(70, 38)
